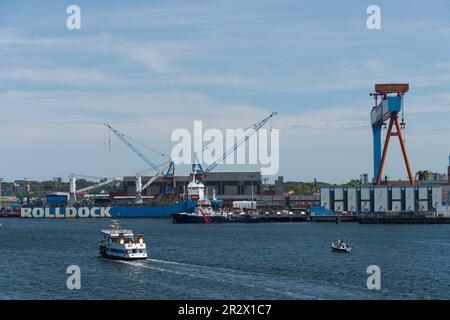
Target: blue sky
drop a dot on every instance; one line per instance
(149, 67)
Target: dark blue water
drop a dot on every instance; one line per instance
(228, 261)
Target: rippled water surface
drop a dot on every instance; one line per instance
(226, 261)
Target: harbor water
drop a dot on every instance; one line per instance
(225, 261)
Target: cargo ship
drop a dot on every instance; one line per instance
(152, 209)
(204, 211)
(164, 205)
(122, 211)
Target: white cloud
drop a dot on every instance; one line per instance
(9, 36)
(374, 65)
(66, 75)
(428, 104)
(155, 55)
(213, 80)
(14, 36)
(151, 59)
(329, 119)
(442, 65)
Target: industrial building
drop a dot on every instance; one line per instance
(236, 185)
(428, 194)
(425, 195)
(382, 198)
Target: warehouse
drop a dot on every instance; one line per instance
(237, 185)
(366, 198)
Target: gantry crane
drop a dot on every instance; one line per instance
(390, 106)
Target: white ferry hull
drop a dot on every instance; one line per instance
(133, 256)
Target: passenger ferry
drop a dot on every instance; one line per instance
(121, 244)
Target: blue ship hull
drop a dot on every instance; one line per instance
(145, 211)
(113, 211)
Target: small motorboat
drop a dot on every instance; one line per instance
(340, 246)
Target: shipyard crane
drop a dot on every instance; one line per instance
(159, 169)
(388, 109)
(123, 138)
(201, 173)
(73, 189)
(196, 187)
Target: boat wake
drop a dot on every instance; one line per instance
(279, 286)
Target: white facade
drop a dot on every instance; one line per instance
(443, 211)
(365, 193)
(339, 194)
(396, 205)
(381, 198)
(325, 198)
(423, 193)
(423, 206)
(396, 193)
(409, 199)
(351, 200)
(365, 206)
(338, 206)
(437, 197)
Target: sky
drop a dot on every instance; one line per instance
(150, 67)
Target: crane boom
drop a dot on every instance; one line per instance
(253, 130)
(156, 176)
(98, 185)
(122, 137)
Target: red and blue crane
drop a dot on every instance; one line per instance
(388, 109)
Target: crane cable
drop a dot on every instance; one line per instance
(136, 141)
(148, 147)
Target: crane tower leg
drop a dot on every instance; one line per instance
(394, 121)
(376, 130)
(385, 148)
(405, 154)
